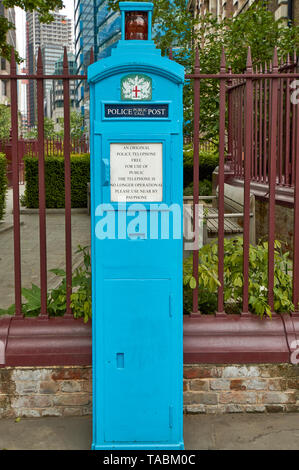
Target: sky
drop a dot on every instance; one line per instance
(69, 8)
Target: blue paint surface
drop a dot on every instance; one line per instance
(137, 279)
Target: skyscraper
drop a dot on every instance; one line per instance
(56, 94)
(97, 27)
(51, 38)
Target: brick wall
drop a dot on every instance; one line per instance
(67, 391)
(241, 388)
(45, 391)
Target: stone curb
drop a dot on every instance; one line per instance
(7, 226)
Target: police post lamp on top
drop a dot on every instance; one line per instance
(136, 24)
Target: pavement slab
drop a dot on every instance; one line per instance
(201, 432)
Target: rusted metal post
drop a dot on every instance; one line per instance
(196, 177)
(247, 177)
(41, 185)
(272, 180)
(287, 128)
(220, 305)
(296, 214)
(230, 120)
(67, 183)
(15, 180)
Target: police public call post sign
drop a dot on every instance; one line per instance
(136, 116)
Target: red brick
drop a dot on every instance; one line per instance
(71, 374)
(237, 384)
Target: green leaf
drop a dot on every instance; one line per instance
(58, 272)
(33, 297)
(192, 283)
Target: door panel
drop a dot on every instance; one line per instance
(137, 352)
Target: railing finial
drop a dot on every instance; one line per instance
(39, 62)
(91, 57)
(275, 60)
(223, 61)
(13, 65)
(65, 62)
(249, 61)
(196, 64)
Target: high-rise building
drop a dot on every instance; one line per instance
(108, 28)
(8, 13)
(51, 38)
(97, 27)
(56, 94)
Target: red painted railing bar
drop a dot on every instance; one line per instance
(255, 146)
(230, 121)
(204, 76)
(196, 178)
(45, 77)
(201, 76)
(15, 182)
(272, 181)
(67, 184)
(231, 97)
(260, 125)
(293, 134)
(287, 129)
(280, 132)
(296, 220)
(220, 306)
(265, 153)
(240, 152)
(91, 57)
(41, 186)
(247, 176)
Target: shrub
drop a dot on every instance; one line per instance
(204, 187)
(3, 184)
(207, 164)
(54, 181)
(233, 279)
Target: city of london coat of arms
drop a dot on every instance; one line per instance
(136, 87)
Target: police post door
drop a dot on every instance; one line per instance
(136, 150)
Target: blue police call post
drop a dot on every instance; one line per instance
(136, 117)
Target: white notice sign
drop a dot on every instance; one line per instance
(136, 172)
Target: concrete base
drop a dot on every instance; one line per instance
(115, 447)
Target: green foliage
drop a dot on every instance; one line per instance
(81, 294)
(207, 164)
(77, 128)
(256, 27)
(204, 187)
(54, 181)
(5, 119)
(56, 298)
(3, 184)
(233, 279)
(45, 8)
(49, 131)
